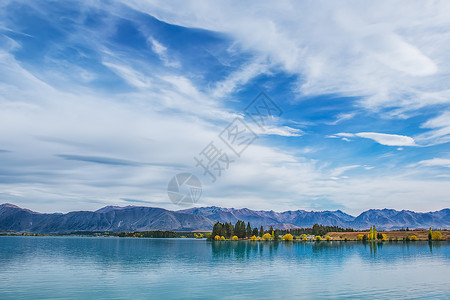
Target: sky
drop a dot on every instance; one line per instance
(103, 102)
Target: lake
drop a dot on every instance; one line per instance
(132, 268)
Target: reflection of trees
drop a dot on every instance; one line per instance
(243, 249)
(374, 247)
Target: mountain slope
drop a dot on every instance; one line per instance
(116, 219)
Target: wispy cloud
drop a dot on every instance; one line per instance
(339, 171)
(435, 162)
(280, 131)
(342, 117)
(130, 75)
(381, 138)
(439, 130)
(161, 50)
(240, 77)
(100, 160)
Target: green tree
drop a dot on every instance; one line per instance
(261, 231)
(239, 229)
(217, 229)
(276, 235)
(249, 230)
(255, 231)
(430, 234)
(229, 230)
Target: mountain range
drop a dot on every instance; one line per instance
(138, 218)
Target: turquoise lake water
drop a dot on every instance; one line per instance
(126, 268)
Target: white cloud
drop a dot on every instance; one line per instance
(280, 130)
(382, 138)
(130, 75)
(339, 171)
(440, 130)
(342, 117)
(439, 162)
(161, 50)
(238, 78)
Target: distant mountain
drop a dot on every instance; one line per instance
(382, 219)
(137, 218)
(110, 218)
(393, 219)
(298, 218)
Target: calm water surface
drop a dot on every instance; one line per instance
(125, 268)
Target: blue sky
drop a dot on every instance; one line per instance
(102, 103)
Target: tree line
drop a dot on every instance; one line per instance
(242, 230)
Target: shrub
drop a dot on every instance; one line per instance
(288, 237)
(365, 237)
(437, 235)
(217, 238)
(328, 238)
(222, 238)
(407, 238)
(318, 238)
(235, 238)
(253, 238)
(267, 237)
(413, 238)
(360, 237)
(305, 238)
(383, 237)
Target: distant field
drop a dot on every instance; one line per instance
(420, 234)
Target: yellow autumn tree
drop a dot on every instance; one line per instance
(305, 238)
(217, 238)
(288, 237)
(437, 235)
(267, 237)
(253, 238)
(360, 237)
(413, 238)
(328, 238)
(318, 238)
(235, 238)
